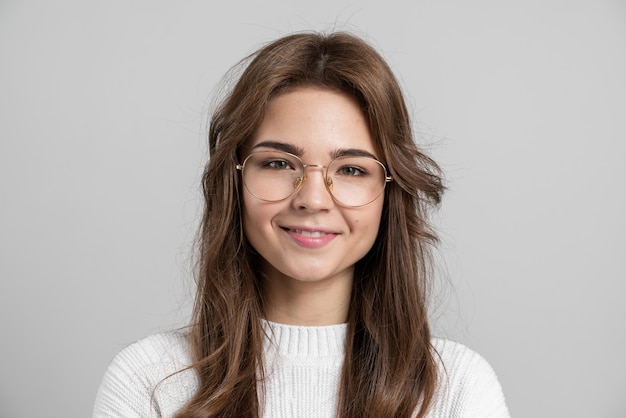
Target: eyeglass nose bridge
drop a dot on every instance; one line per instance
(328, 182)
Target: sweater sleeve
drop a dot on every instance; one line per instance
(126, 388)
(143, 381)
(468, 385)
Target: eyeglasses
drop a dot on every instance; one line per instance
(273, 176)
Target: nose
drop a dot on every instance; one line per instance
(313, 194)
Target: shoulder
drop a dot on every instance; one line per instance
(468, 385)
(457, 358)
(147, 377)
(151, 351)
(152, 358)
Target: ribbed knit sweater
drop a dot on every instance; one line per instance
(303, 367)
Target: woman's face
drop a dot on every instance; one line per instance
(309, 237)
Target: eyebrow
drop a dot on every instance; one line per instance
(351, 152)
(292, 149)
(280, 146)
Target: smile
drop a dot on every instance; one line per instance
(311, 239)
(312, 234)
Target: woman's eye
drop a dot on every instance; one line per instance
(352, 171)
(278, 165)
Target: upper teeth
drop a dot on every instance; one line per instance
(313, 234)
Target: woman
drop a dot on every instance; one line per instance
(313, 258)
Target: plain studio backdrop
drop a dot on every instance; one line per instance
(102, 141)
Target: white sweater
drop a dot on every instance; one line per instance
(303, 370)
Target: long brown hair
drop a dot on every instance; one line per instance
(389, 368)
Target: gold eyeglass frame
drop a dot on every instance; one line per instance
(328, 181)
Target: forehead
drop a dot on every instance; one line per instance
(315, 121)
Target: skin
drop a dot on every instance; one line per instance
(308, 279)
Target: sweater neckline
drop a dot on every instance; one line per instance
(306, 341)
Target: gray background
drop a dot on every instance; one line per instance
(102, 124)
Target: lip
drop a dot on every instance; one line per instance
(310, 237)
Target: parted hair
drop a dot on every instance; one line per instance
(390, 366)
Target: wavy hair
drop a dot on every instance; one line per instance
(389, 368)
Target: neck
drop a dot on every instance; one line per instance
(293, 302)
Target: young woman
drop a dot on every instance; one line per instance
(313, 259)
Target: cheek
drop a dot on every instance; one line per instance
(257, 220)
(367, 222)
